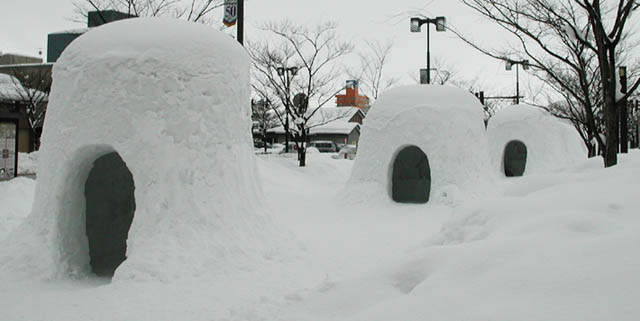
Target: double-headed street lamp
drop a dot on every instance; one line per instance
(441, 25)
(509, 65)
(286, 74)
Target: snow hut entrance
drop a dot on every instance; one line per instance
(515, 158)
(411, 178)
(110, 206)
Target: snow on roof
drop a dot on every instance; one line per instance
(17, 55)
(71, 31)
(550, 142)
(328, 120)
(143, 88)
(335, 127)
(446, 123)
(36, 64)
(11, 89)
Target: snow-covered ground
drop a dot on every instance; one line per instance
(563, 245)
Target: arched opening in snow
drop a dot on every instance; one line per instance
(515, 158)
(411, 176)
(110, 204)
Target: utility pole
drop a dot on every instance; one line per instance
(623, 115)
(508, 66)
(517, 85)
(441, 25)
(240, 22)
(286, 74)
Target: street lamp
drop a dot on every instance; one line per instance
(441, 25)
(286, 74)
(509, 65)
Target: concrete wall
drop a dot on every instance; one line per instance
(12, 59)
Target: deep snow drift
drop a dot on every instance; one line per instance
(546, 246)
(444, 122)
(551, 144)
(171, 98)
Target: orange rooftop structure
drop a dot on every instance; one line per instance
(352, 98)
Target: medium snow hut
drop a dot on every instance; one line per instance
(146, 156)
(420, 143)
(524, 139)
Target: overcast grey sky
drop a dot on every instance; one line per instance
(26, 23)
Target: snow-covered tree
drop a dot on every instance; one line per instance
(296, 60)
(575, 45)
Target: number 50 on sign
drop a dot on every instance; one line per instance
(230, 12)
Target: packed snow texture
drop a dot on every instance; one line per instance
(28, 163)
(546, 246)
(172, 99)
(444, 122)
(551, 144)
(15, 196)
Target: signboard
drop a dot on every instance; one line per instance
(230, 12)
(8, 148)
(300, 101)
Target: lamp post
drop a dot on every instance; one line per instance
(441, 25)
(509, 65)
(240, 31)
(286, 74)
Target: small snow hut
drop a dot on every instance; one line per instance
(420, 143)
(146, 156)
(524, 139)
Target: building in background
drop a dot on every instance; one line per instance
(352, 98)
(18, 100)
(58, 41)
(338, 124)
(18, 59)
(24, 83)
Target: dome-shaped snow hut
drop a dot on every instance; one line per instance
(524, 139)
(146, 155)
(421, 143)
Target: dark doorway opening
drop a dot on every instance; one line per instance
(515, 158)
(110, 206)
(411, 178)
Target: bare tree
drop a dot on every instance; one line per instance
(568, 40)
(370, 73)
(313, 53)
(266, 111)
(191, 10)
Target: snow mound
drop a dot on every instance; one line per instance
(28, 163)
(14, 207)
(550, 143)
(444, 122)
(171, 98)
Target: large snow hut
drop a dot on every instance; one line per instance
(146, 156)
(421, 143)
(524, 139)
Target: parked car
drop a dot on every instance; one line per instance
(325, 146)
(292, 148)
(260, 144)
